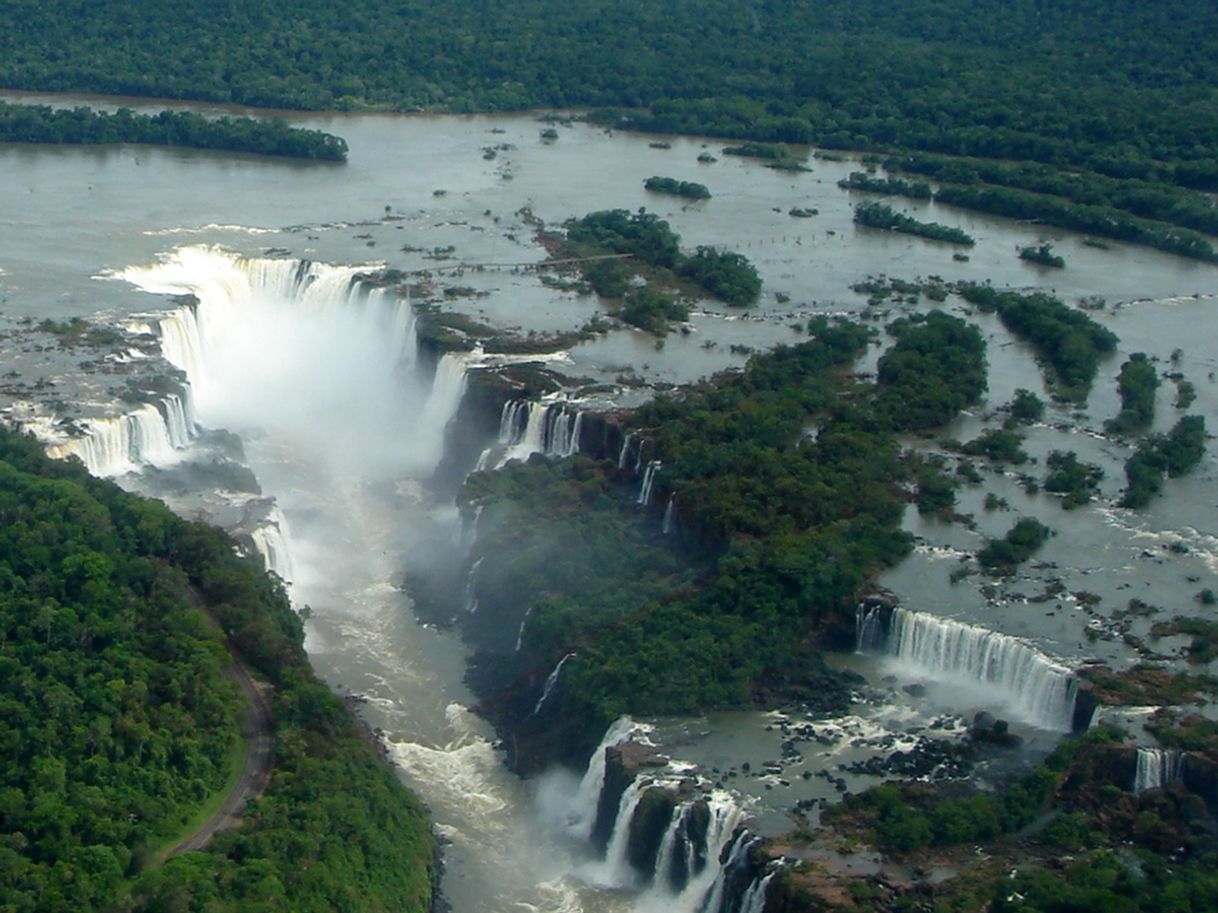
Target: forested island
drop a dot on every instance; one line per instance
(86, 126)
(119, 721)
(775, 535)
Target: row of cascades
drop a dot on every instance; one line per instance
(664, 832)
(152, 434)
(527, 427)
(1031, 686)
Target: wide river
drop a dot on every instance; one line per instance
(340, 439)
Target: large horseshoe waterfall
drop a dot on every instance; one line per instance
(317, 373)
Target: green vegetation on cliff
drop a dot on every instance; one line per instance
(117, 721)
(43, 124)
(784, 483)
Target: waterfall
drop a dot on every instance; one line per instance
(303, 353)
(754, 898)
(520, 633)
(509, 421)
(710, 899)
(113, 446)
(467, 529)
(179, 418)
(676, 838)
(441, 405)
(1035, 688)
(616, 870)
(229, 289)
(471, 595)
(548, 689)
(528, 427)
(582, 812)
(563, 440)
(625, 451)
(668, 510)
(527, 438)
(271, 540)
(574, 440)
(868, 629)
(1156, 768)
(649, 478)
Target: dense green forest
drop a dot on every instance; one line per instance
(1057, 119)
(43, 124)
(117, 721)
(1055, 83)
(775, 530)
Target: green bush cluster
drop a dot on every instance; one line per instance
(1018, 545)
(1173, 454)
(878, 215)
(689, 189)
(1137, 384)
(936, 368)
(1076, 481)
(1068, 342)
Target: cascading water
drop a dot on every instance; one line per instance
(528, 427)
(581, 813)
(306, 365)
(146, 436)
(551, 682)
(649, 478)
(471, 584)
(271, 540)
(1033, 687)
(668, 512)
(712, 900)
(753, 900)
(1156, 768)
(615, 871)
(625, 451)
(869, 631)
(289, 348)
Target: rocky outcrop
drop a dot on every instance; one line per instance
(622, 764)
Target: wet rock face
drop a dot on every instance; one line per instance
(622, 764)
(651, 819)
(1085, 706)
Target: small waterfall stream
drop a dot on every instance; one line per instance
(1156, 767)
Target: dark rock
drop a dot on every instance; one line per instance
(622, 764)
(650, 821)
